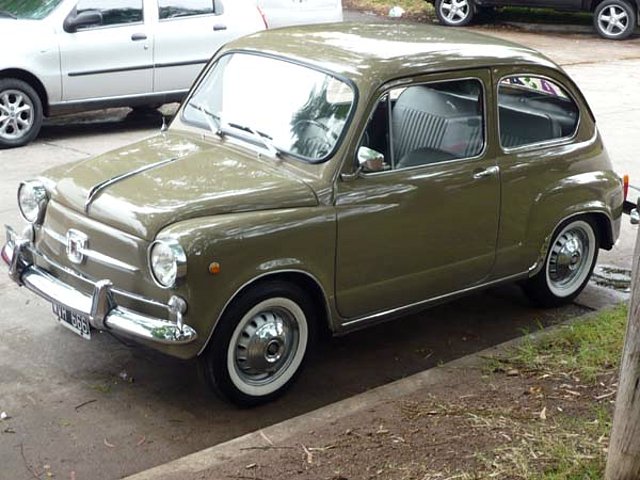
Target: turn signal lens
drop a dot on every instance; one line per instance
(625, 186)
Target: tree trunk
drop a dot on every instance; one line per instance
(623, 462)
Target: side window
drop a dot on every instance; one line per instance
(428, 123)
(114, 12)
(184, 8)
(532, 110)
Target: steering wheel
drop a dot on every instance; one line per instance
(315, 123)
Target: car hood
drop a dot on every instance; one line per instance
(148, 185)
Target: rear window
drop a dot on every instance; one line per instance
(534, 110)
(184, 8)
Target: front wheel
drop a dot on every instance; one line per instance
(454, 13)
(258, 348)
(20, 113)
(570, 260)
(615, 19)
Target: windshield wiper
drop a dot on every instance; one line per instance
(262, 137)
(4, 13)
(210, 117)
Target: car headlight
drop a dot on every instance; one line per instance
(32, 201)
(167, 262)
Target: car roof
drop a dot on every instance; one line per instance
(377, 52)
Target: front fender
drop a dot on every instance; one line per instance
(249, 246)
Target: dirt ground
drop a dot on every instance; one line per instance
(480, 424)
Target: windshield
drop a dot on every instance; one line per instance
(296, 109)
(27, 9)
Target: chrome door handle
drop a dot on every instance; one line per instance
(487, 172)
(136, 37)
(218, 27)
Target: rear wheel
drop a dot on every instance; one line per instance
(615, 19)
(570, 260)
(454, 13)
(260, 345)
(20, 113)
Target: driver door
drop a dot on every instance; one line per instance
(424, 224)
(111, 59)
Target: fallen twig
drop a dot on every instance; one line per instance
(26, 463)
(78, 407)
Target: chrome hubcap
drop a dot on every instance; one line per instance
(455, 11)
(569, 258)
(16, 114)
(613, 20)
(266, 345)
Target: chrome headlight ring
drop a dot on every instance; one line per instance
(32, 201)
(167, 262)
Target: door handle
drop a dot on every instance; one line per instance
(487, 172)
(136, 37)
(218, 27)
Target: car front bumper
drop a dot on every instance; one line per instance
(101, 306)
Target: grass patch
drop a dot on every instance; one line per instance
(584, 349)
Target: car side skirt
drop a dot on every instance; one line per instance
(114, 102)
(351, 325)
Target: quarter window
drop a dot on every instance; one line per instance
(427, 124)
(534, 110)
(114, 12)
(184, 8)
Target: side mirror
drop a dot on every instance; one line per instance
(369, 160)
(83, 19)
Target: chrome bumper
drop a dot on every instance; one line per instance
(101, 307)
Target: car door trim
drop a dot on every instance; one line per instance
(181, 64)
(406, 309)
(110, 70)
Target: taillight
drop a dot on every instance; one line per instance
(264, 18)
(625, 186)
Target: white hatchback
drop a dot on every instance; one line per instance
(86, 54)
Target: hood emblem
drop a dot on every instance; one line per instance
(97, 189)
(76, 245)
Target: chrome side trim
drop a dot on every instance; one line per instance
(260, 277)
(93, 254)
(399, 311)
(98, 188)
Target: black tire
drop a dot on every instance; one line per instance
(568, 265)
(239, 381)
(20, 113)
(455, 13)
(610, 27)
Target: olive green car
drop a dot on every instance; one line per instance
(324, 178)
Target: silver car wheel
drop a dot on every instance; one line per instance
(267, 346)
(570, 258)
(613, 20)
(455, 11)
(16, 114)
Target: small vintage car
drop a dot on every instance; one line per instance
(321, 179)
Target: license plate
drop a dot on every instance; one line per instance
(76, 322)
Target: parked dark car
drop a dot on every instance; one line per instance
(612, 19)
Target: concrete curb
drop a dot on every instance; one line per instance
(279, 433)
